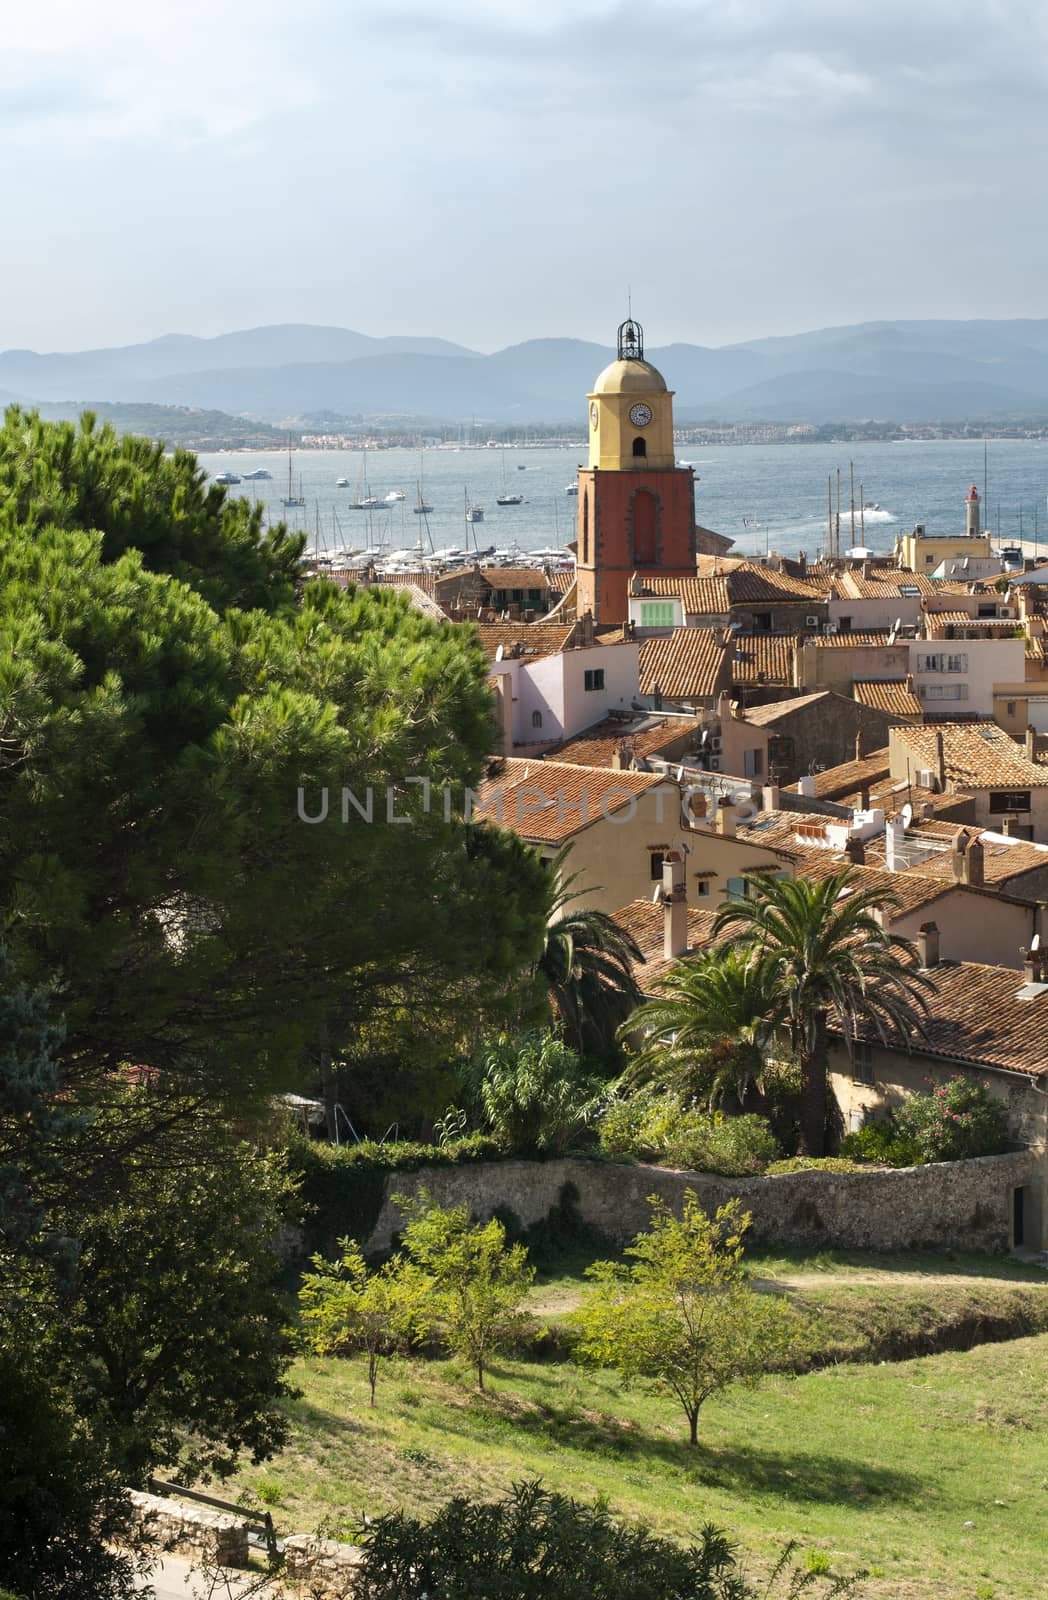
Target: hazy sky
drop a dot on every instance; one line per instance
(495, 170)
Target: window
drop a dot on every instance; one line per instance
(594, 679)
(988, 611)
(942, 661)
(702, 888)
(1011, 708)
(909, 591)
(762, 622)
(657, 614)
(862, 1062)
(516, 595)
(657, 857)
(536, 719)
(1010, 800)
(736, 888)
(943, 691)
(644, 512)
(640, 447)
(753, 764)
(844, 624)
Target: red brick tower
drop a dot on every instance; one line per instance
(636, 506)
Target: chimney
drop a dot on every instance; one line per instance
(1031, 742)
(802, 561)
(974, 874)
(928, 944)
(586, 628)
(674, 907)
(620, 757)
(958, 851)
(860, 745)
(770, 797)
(940, 761)
(806, 786)
(725, 819)
(1033, 969)
(855, 850)
(1010, 827)
(636, 586)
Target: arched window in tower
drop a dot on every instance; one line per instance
(585, 529)
(645, 522)
(640, 447)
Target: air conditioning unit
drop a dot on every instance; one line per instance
(926, 778)
(715, 765)
(716, 742)
(811, 622)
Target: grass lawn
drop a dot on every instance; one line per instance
(933, 1473)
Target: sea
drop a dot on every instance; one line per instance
(762, 496)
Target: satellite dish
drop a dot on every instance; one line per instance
(655, 894)
(907, 814)
(1035, 942)
(898, 625)
(680, 773)
(500, 651)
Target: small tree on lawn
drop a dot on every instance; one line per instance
(478, 1281)
(348, 1309)
(682, 1320)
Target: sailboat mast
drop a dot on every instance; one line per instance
(851, 475)
(862, 516)
(837, 527)
(829, 515)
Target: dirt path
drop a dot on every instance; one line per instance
(559, 1298)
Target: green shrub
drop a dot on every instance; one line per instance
(667, 1129)
(534, 1093)
(813, 1164)
(342, 1186)
(954, 1121)
(881, 1142)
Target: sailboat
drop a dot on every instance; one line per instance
(505, 498)
(291, 498)
(422, 508)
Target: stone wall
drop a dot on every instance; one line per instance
(320, 1568)
(963, 1205)
(189, 1530)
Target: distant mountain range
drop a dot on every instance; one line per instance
(893, 371)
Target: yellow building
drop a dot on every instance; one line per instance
(923, 552)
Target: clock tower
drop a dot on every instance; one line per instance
(636, 506)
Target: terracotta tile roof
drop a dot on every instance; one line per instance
(976, 1017)
(644, 920)
(763, 658)
(548, 802)
(845, 640)
(755, 585)
(706, 565)
(882, 582)
(560, 579)
(761, 716)
(890, 795)
(704, 597)
(643, 736)
(976, 757)
(688, 663)
(1035, 648)
(1004, 860)
(938, 621)
(849, 777)
(778, 829)
(405, 580)
(528, 640)
(912, 890)
(887, 694)
(423, 602)
(515, 577)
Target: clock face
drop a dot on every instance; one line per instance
(593, 413)
(640, 415)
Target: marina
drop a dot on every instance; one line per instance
(762, 496)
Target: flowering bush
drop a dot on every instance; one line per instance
(672, 1131)
(954, 1121)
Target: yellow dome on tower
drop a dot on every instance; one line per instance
(633, 376)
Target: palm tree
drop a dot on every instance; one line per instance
(709, 1028)
(821, 950)
(587, 965)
